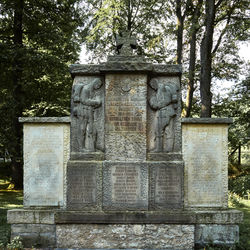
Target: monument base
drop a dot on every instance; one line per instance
(171, 229)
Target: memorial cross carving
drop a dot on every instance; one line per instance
(125, 44)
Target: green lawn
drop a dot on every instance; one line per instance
(9, 199)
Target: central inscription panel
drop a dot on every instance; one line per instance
(125, 114)
(125, 186)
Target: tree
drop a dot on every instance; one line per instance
(203, 28)
(195, 26)
(217, 13)
(39, 39)
(218, 30)
(237, 106)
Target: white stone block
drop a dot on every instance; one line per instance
(205, 155)
(46, 152)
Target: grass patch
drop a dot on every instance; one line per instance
(244, 206)
(9, 199)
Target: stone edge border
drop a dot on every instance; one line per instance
(95, 69)
(65, 119)
(29, 216)
(223, 120)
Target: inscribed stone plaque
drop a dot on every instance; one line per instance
(83, 185)
(125, 186)
(46, 151)
(166, 185)
(205, 156)
(125, 114)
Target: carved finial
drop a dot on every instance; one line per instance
(125, 44)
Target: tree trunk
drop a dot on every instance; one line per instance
(180, 23)
(192, 59)
(206, 60)
(239, 155)
(16, 153)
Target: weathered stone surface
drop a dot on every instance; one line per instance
(125, 107)
(164, 156)
(148, 236)
(224, 120)
(84, 184)
(163, 115)
(65, 119)
(126, 67)
(168, 216)
(87, 116)
(206, 163)
(216, 234)
(46, 151)
(125, 186)
(167, 70)
(219, 217)
(166, 185)
(35, 235)
(119, 59)
(22, 216)
(84, 69)
(87, 156)
(138, 217)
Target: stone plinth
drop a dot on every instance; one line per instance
(204, 144)
(46, 151)
(171, 229)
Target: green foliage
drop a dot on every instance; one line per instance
(244, 227)
(16, 244)
(237, 106)
(46, 109)
(240, 185)
(38, 41)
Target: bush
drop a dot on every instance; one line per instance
(240, 185)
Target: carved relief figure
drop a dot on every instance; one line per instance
(84, 105)
(164, 103)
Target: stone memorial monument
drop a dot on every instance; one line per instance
(133, 173)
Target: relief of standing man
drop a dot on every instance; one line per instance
(84, 104)
(164, 103)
